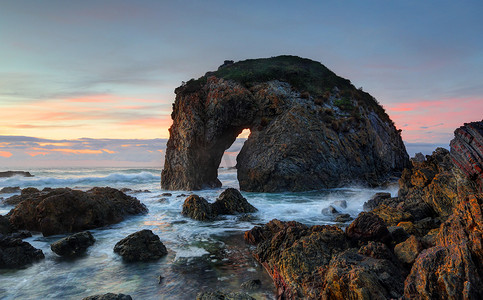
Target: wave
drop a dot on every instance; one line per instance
(115, 179)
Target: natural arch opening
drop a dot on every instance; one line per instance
(228, 161)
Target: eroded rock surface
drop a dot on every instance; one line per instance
(63, 210)
(310, 129)
(143, 245)
(15, 253)
(73, 245)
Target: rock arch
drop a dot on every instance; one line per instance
(300, 139)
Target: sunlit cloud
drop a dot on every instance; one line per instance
(5, 154)
(109, 151)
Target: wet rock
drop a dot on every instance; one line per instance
(294, 144)
(197, 208)
(109, 296)
(231, 202)
(15, 173)
(219, 295)
(408, 250)
(251, 284)
(163, 200)
(368, 227)
(64, 210)
(166, 194)
(328, 211)
(143, 245)
(342, 218)
(10, 189)
(73, 245)
(376, 200)
(354, 276)
(14, 253)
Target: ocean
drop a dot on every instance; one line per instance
(202, 256)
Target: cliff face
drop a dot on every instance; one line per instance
(310, 129)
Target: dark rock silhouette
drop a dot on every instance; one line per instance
(108, 296)
(143, 245)
(14, 253)
(15, 173)
(73, 245)
(63, 210)
(310, 129)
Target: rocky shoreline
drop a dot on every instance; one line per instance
(424, 244)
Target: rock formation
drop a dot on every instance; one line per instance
(15, 173)
(14, 253)
(73, 245)
(433, 248)
(230, 202)
(310, 129)
(109, 296)
(143, 245)
(63, 210)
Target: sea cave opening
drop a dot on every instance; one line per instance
(228, 160)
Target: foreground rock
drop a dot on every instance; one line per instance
(10, 189)
(73, 245)
(63, 210)
(14, 253)
(436, 253)
(15, 173)
(229, 202)
(143, 245)
(310, 129)
(109, 296)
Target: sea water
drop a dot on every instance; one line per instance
(202, 256)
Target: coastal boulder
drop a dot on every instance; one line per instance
(368, 227)
(143, 245)
(309, 129)
(14, 253)
(63, 210)
(73, 245)
(108, 296)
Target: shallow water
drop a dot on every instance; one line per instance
(201, 255)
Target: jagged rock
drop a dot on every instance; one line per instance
(391, 216)
(73, 245)
(368, 227)
(310, 129)
(14, 253)
(429, 188)
(340, 203)
(251, 284)
(143, 245)
(10, 189)
(63, 210)
(197, 208)
(354, 276)
(467, 151)
(5, 226)
(15, 173)
(219, 295)
(377, 199)
(418, 157)
(296, 255)
(408, 250)
(108, 296)
(229, 202)
(377, 250)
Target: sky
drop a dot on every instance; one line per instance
(107, 70)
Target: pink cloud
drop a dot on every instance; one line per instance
(5, 154)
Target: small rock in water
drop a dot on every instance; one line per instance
(342, 218)
(109, 296)
(163, 200)
(340, 203)
(160, 279)
(181, 195)
(166, 194)
(329, 211)
(251, 284)
(143, 245)
(73, 245)
(15, 253)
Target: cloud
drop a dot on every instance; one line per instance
(5, 154)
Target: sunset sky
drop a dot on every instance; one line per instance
(108, 69)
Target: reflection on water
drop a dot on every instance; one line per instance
(202, 256)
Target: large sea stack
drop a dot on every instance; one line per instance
(310, 129)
